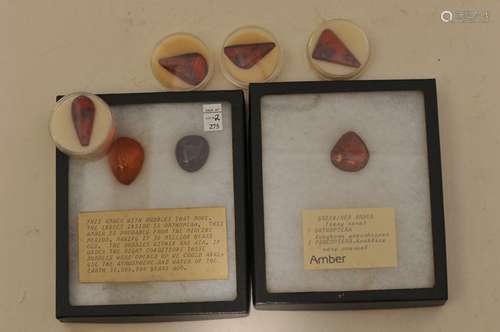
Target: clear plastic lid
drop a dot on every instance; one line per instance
(250, 54)
(338, 49)
(79, 132)
(182, 62)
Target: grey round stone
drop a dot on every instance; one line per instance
(192, 152)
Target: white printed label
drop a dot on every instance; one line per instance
(212, 117)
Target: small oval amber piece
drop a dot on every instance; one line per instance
(125, 159)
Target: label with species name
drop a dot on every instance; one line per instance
(152, 245)
(212, 117)
(349, 238)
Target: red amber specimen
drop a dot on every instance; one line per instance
(246, 56)
(83, 113)
(350, 153)
(330, 48)
(192, 68)
(125, 159)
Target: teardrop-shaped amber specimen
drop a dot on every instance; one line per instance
(83, 113)
(350, 153)
(125, 158)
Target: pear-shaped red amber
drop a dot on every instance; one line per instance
(125, 159)
(350, 153)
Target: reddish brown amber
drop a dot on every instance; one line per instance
(246, 56)
(350, 153)
(83, 113)
(192, 68)
(331, 48)
(125, 159)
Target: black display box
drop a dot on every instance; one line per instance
(266, 299)
(151, 312)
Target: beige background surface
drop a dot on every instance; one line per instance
(53, 47)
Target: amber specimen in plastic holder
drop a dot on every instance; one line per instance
(332, 49)
(192, 68)
(245, 56)
(83, 113)
(125, 158)
(350, 153)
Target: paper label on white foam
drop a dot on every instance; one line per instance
(212, 117)
(153, 245)
(349, 238)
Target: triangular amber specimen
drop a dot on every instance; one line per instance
(83, 113)
(331, 48)
(350, 153)
(192, 68)
(246, 56)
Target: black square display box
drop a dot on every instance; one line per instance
(265, 299)
(238, 307)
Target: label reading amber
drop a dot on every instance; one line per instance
(349, 238)
(152, 245)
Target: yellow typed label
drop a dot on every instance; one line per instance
(152, 245)
(349, 238)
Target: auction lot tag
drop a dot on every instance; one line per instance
(212, 117)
